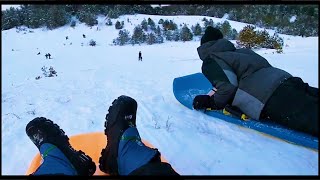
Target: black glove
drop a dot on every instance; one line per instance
(201, 102)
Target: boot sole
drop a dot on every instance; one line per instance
(106, 150)
(56, 131)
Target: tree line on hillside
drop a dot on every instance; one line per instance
(151, 32)
(292, 19)
(154, 33)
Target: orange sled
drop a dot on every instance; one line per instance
(90, 143)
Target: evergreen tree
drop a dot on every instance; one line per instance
(151, 38)
(158, 30)
(123, 38)
(234, 34)
(169, 35)
(176, 35)
(87, 16)
(160, 21)
(169, 25)
(9, 19)
(226, 30)
(38, 16)
(151, 24)
(144, 25)
(113, 13)
(185, 34)
(197, 30)
(57, 16)
(159, 38)
(209, 23)
(138, 36)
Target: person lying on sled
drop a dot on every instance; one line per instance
(244, 79)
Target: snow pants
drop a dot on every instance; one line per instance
(294, 104)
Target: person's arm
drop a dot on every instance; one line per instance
(222, 94)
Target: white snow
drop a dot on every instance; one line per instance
(5, 7)
(225, 16)
(293, 19)
(90, 78)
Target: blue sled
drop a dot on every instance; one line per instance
(187, 87)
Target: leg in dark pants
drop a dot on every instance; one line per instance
(294, 104)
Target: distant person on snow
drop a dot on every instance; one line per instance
(246, 80)
(46, 56)
(67, 37)
(140, 56)
(84, 36)
(49, 55)
(125, 154)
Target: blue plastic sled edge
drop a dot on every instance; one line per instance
(185, 88)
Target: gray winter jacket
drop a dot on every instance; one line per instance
(252, 80)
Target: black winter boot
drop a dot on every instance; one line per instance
(41, 130)
(121, 115)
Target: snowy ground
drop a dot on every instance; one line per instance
(90, 78)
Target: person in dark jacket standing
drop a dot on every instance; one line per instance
(124, 154)
(246, 80)
(140, 56)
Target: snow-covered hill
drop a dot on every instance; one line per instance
(90, 78)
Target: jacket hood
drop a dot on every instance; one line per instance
(220, 45)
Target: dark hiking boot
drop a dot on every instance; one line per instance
(121, 115)
(41, 130)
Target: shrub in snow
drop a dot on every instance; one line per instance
(118, 25)
(92, 42)
(263, 39)
(277, 43)
(48, 73)
(73, 24)
(249, 38)
(109, 22)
